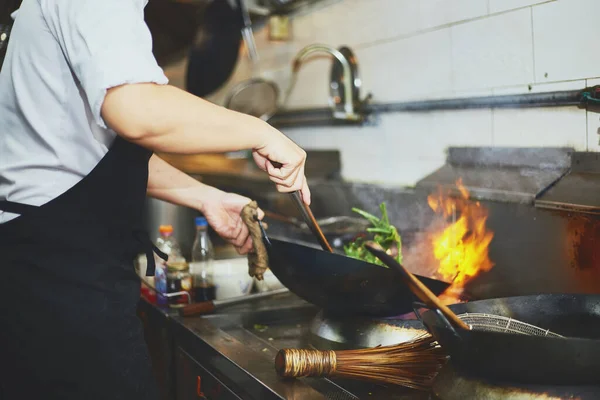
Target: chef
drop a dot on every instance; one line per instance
(83, 106)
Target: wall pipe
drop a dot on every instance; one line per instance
(323, 116)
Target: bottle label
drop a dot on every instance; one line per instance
(160, 280)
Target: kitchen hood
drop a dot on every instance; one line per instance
(579, 190)
(501, 174)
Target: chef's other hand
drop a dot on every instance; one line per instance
(288, 176)
(223, 212)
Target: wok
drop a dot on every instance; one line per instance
(572, 360)
(338, 284)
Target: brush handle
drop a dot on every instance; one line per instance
(415, 285)
(298, 363)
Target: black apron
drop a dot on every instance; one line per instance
(69, 292)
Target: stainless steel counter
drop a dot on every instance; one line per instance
(237, 348)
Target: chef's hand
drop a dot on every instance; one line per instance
(288, 176)
(223, 212)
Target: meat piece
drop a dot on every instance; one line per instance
(258, 259)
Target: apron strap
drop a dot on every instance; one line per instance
(16, 208)
(149, 249)
(141, 234)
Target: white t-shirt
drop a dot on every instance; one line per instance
(62, 57)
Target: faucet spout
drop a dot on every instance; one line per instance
(349, 112)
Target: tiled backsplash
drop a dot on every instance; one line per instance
(421, 49)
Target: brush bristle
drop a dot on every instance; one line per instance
(412, 364)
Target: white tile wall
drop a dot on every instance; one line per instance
(495, 51)
(540, 88)
(425, 49)
(434, 13)
(565, 34)
(361, 22)
(505, 5)
(408, 68)
(403, 144)
(538, 127)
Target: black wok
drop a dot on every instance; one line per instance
(573, 360)
(339, 284)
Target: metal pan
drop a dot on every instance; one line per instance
(341, 285)
(337, 225)
(572, 360)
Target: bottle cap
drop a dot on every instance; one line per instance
(201, 221)
(165, 229)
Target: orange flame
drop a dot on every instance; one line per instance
(461, 248)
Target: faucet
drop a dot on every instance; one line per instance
(350, 79)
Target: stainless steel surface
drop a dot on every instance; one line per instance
(578, 190)
(337, 87)
(250, 297)
(339, 225)
(256, 97)
(450, 385)
(241, 344)
(498, 323)
(501, 174)
(348, 109)
(355, 332)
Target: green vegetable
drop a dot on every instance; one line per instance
(260, 328)
(382, 233)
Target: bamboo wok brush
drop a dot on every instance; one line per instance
(412, 364)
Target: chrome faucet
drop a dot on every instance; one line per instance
(342, 108)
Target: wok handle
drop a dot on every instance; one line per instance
(416, 306)
(438, 314)
(263, 233)
(415, 285)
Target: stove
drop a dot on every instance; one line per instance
(239, 347)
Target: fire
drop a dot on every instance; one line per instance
(461, 245)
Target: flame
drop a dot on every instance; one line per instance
(461, 245)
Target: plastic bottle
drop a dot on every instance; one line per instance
(201, 266)
(168, 245)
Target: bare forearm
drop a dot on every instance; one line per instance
(167, 183)
(170, 120)
(167, 119)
